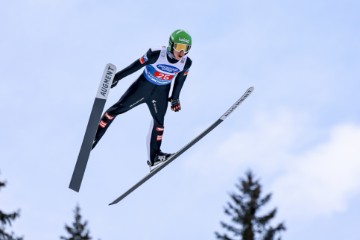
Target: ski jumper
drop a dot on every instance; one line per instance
(151, 87)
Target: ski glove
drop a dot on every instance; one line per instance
(114, 83)
(175, 105)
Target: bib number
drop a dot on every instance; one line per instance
(163, 76)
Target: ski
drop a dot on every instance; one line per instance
(97, 109)
(186, 147)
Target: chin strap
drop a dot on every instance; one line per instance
(170, 55)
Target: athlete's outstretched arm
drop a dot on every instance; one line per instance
(148, 58)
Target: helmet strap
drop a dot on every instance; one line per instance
(170, 54)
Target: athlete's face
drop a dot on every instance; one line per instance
(178, 54)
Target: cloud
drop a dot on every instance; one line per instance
(310, 171)
(265, 144)
(322, 180)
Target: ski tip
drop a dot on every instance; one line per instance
(111, 66)
(251, 89)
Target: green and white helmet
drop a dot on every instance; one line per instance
(180, 40)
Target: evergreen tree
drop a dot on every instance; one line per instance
(6, 219)
(243, 211)
(78, 230)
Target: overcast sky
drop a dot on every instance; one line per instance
(299, 132)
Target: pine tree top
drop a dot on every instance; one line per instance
(243, 210)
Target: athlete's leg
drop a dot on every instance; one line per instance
(157, 105)
(131, 98)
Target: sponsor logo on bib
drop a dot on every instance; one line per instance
(168, 68)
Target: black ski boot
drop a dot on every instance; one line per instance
(160, 157)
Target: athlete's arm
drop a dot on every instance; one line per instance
(180, 80)
(148, 58)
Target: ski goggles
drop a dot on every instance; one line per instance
(181, 47)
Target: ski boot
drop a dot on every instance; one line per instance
(160, 157)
